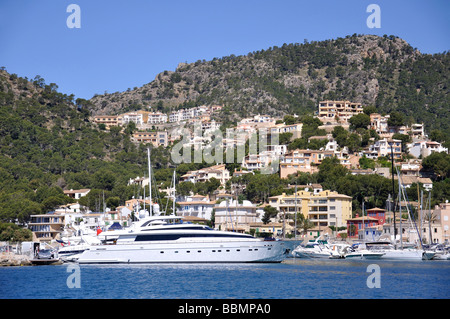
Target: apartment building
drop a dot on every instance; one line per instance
(258, 119)
(379, 123)
(295, 129)
(264, 159)
(338, 111)
(219, 172)
(156, 138)
(197, 206)
(411, 167)
(187, 114)
(425, 148)
(383, 148)
(46, 227)
(324, 208)
(138, 117)
(234, 216)
(306, 161)
(156, 118)
(255, 162)
(442, 212)
(417, 130)
(107, 120)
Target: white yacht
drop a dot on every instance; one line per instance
(399, 254)
(166, 239)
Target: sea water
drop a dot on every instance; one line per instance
(293, 279)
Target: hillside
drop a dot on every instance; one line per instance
(47, 144)
(382, 71)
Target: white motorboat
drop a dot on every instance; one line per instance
(71, 252)
(313, 249)
(441, 252)
(359, 251)
(166, 239)
(399, 254)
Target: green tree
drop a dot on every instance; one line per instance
(12, 232)
(439, 163)
(369, 109)
(365, 162)
(359, 121)
(396, 119)
(269, 212)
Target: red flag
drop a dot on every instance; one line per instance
(98, 230)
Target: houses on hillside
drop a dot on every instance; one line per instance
(323, 208)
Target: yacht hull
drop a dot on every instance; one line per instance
(406, 255)
(187, 252)
(304, 254)
(369, 256)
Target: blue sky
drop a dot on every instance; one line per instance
(123, 44)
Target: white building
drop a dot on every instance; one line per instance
(219, 172)
(383, 148)
(233, 216)
(136, 117)
(157, 118)
(197, 205)
(425, 148)
(295, 129)
(77, 193)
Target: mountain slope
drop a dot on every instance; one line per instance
(382, 71)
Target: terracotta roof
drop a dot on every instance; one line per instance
(361, 218)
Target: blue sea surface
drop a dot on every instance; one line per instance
(292, 279)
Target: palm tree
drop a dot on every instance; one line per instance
(304, 223)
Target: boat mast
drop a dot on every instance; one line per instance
(149, 180)
(421, 213)
(393, 192)
(144, 194)
(400, 209)
(295, 218)
(173, 204)
(363, 226)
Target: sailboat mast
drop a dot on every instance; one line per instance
(149, 180)
(393, 192)
(363, 226)
(173, 207)
(400, 210)
(144, 194)
(295, 218)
